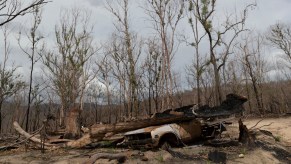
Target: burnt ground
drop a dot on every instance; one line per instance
(274, 147)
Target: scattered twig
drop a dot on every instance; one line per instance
(265, 125)
(256, 124)
(253, 127)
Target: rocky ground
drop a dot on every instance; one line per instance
(274, 148)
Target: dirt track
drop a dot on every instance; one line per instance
(280, 128)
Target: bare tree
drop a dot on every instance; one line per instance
(10, 81)
(195, 73)
(130, 44)
(232, 76)
(95, 94)
(67, 67)
(207, 86)
(152, 68)
(198, 65)
(38, 100)
(105, 77)
(32, 53)
(233, 26)
(279, 35)
(115, 52)
(255, 66)
(165, 17)
(10, 9)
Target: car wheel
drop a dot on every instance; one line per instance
(165, 145)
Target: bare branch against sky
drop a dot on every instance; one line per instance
(268, 12)
(10, 9)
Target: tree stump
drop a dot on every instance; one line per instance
(244, 135)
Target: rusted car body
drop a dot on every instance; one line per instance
(173, 134)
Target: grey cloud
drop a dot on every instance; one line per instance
(96, 2)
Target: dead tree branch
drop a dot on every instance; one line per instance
(26, 139)
(256, 124)
(260, 126)
(14, 9)
(29, 136)
(265, 125)
(83, 141)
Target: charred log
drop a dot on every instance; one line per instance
(99, 131)
(232, 105)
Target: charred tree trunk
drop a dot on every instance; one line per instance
(244, 135)
(73, 127)
(1, 116)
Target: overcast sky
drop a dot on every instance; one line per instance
(266, 13)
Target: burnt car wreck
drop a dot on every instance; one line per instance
(174, 134)
(174, 127)
(198, 126)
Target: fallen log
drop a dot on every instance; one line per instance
(99, 131)
(83, 141)
(119, 157)
(29, 136)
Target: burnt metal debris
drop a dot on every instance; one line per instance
(184, 131)
(232, 105)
